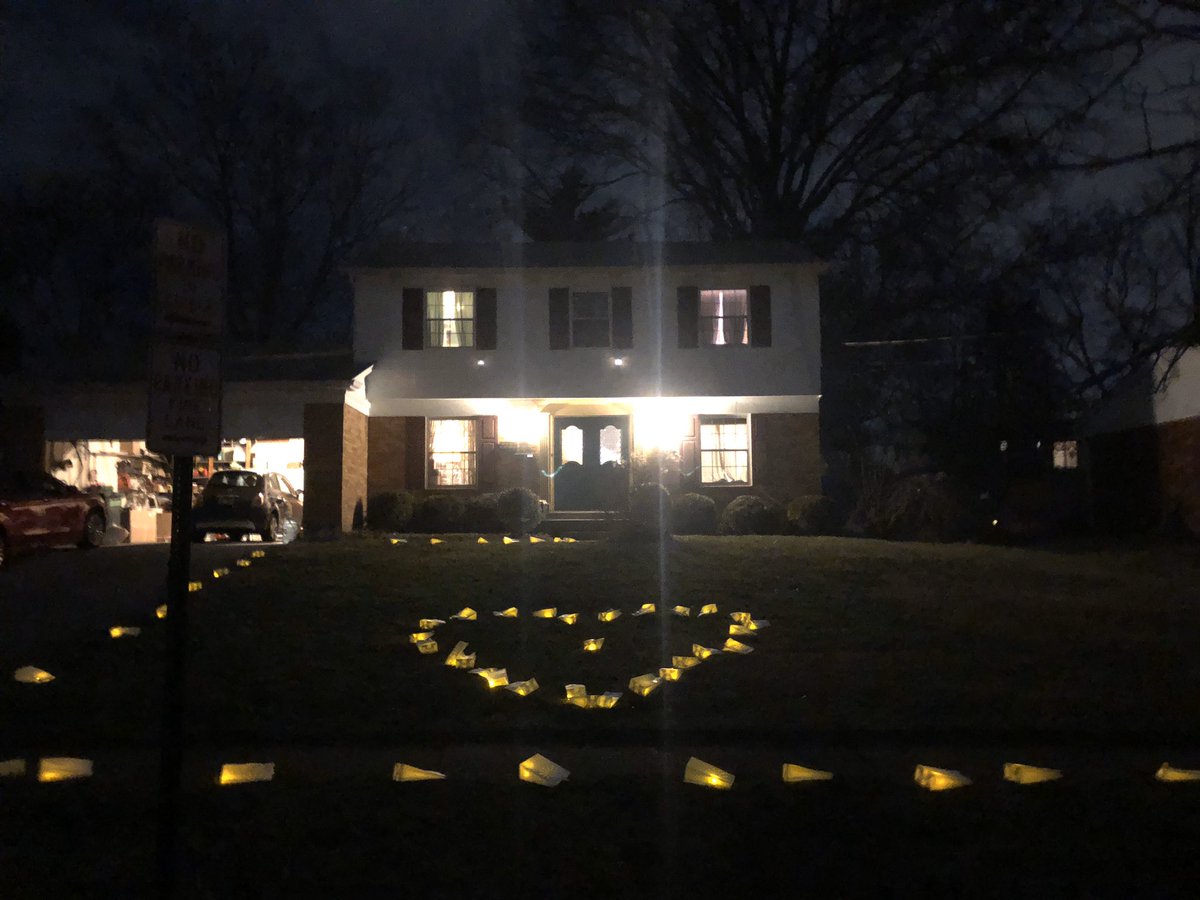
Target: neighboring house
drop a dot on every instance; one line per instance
(578, 369)
(1144, 449)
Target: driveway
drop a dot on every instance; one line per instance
(61, 595)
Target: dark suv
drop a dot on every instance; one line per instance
(237, 502)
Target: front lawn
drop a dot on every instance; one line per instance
(311, 645)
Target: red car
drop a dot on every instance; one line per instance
(38, 510)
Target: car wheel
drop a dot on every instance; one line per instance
(93, 530)
(271, 532)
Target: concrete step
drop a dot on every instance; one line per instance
(583, 524)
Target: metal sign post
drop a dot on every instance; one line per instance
(183, 419)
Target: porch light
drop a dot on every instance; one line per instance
(481, 362)
(793, 774)
(705, 774)
(618, 361)
(63, 768)
(540, 770)
(1019, 773)
(403, 772)
(939, 779)
(243, 773)
(32, 675)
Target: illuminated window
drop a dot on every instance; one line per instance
(1066, 454)
(724, 450)
(610, 444)
(572, 444)
(451, 452)
(591, 324)
(450, 318)
(724, 318)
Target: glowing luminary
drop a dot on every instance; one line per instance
(592, 645)
(258, 554)
(430, 624)
(569, 618)
(557, 540)
(436, 541)
(933, 779)
(243, 563)
(245, 773)
(494, 677)
(425, 648)
(609, 615)
(418, 636)
(732, 646)
(1169, 773)
(459, 656)
(63, 768)
(577, 695)
(522, 688)
(758, 624)
(644, 685)
(741, 631)
(536, 540)
(539, 770)
(405, 772)
(548, 613)
(395, 541)
(741, 618)
(481, 540)
(707, 775)
(607, 700)
(466, 614)
(509, 540)
(32, 675)
(701, 652)
(685, 662)
(120, 631)
(708, 609)
(510, 613)
(160, 612)
(568, 540)
(220, 573)
(793, 773)
(1019, 773)
(12, 768)
(194, 586)
(645, 609)
(670, 673)
(681, 610)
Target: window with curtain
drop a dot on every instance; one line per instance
(1066, 454)
(724, 318)
(450, 318)
(591, 324)
(724, 450)
(452, 452)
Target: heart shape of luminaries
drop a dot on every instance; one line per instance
(733, 632)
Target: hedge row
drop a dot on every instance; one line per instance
(515, 511)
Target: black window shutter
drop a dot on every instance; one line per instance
(412, 319)
(560, 318)
(622, 317)
(760, 315)
(485, 318)
(689, 316)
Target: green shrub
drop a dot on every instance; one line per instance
(439, 513)
(812, 515)
(749, 514)
(927, 507)
(482, 513)
(390, 511)
(693, 514)
(650, 508)
(520, 510)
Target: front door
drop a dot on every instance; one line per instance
(591, 461)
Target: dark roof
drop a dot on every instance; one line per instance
(410, 255)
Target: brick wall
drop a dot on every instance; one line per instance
(386, 447)
(22, 438)
(354, 468)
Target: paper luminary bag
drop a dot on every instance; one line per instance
(245, 773)
(509, 540)
(683, 611)
(933, 779)
(740, 618)
(436, 541)
(670, 673)
(593, 645)
(430, 624)
(644, 685)
(548, 613)
(569, 618)
(459, 658)
(10, 768)
(404, 772)
(645, 609)
(732, 646)
(609, 615)
(243, 563)
(481, 540)
(1019, 773)
(539, 770)
(259, 554)
(494, 677)
(536, 540)
(577, 695)
(1169, 773)
(32, 675)
(685, 662)
(63, 768)
(701, 652)
(758, 624)
(741, 631)
(120, 631)
(160, 611)
(607, 700)
(194, 586)
(510, 613)
(705, 774)
(708, 609)
(417, 636)
(466, 614)
(220, 573)
(793, 774)
(425, 648)
(522, 688)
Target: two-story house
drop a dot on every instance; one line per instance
(578, 369)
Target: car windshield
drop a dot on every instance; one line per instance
(235, 480)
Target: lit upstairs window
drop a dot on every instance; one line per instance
(1066, 454)
(724, 318)
(450, 318)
